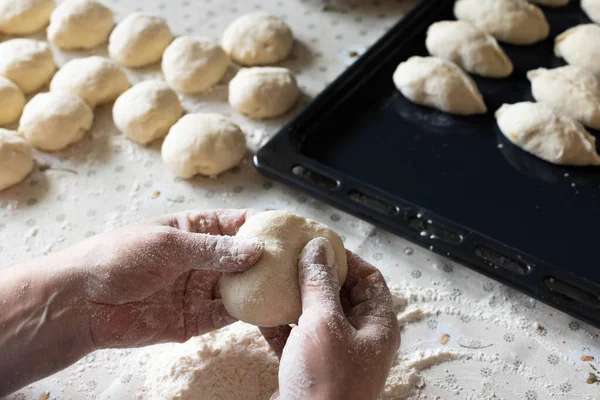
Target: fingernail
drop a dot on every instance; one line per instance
(248, 246)
(243, 253)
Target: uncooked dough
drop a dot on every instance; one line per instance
(580, 45)
(263, 92)
(545, 133)
(16, 158)
(194, 64)
(469, 47)
(258, 39)
(97, 80)
(203, 143)
(138, 40)
(511, 21)
(22, 17)
(440, 84)
(268, 294)
(80, 24)
(12, 101)
(26, 62)
(551, 3)
(592, 9)
(571, 90)
(147, 111)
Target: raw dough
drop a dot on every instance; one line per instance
(95, 79)
(551, 3)
(16, 158)
(203, 143)
(138, 40)
(12, 101)
(80, 24)
(22, 17)
(592, 9)
(543, 132)
(511, 21)
(469, 47)
(194, 64)
(440, 84)
(26, 62)
(571, 90)
(580, 46)
(268, 294)
(258, 39)
(263, 92)
(147, 111)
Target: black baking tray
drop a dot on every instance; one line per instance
(453, 184)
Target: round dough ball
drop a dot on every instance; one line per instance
(193, 65)
(16, 158)
(97, 80)
(146, 111)
(138, 40)
(26, 62)
(263, 92)
(268, 294)
(80, 24)
(203, 143)
(258, 39)
(12, 101)
(22, 17)
(52, 121)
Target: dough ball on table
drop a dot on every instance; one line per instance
(440, 84)
(26, 62)
(80, 24)
(258, 39)
(511, 21)
(97, 80)
(263, 92)
(22, 17)
(580, 46)
(12, 101)
(147, 111)
(592, 9)
(547, 134)
(194, 64)
(16, 158)
(268, 294)
(139, 40)
(203, 143)
(551, 3)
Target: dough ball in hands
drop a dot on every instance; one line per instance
(268, 294)
(551, 3)
(592, 9)
(80, 24)
(16, 158)
(580, 45)
(258, 39)
(147, 111)
(12, 101)
(22, 17)
(26, 62)
(194, 64)
(203, 143)
(263, 92)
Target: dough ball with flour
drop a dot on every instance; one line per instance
(147, 111)
(263, 92)
(22, 17)
(97, 80)
(258, 39)
(80, 24)
(12, 101)
(268, 294)
(580, 45)
(138, 40)
(203, 143)
(16, 158)
(26, 62)
(194, 64)
(592, 9)
(53, 121)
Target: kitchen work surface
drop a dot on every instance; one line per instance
(464, 336)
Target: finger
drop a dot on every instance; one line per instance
(276, 337)
(212, 222)
(357, 269)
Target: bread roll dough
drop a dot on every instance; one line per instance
(469, 47)
(138, 40)
(551, 3)
(268, 294)
(440, 84)
(80, 24)
(26, 62)
(263, 92)
(258, 39)
(580, 45)
(12, 101)
(147, 111)
(16, 158)
(22, 17)
(97, 80)
(545, 133)
(194, 64)
(592, 9)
